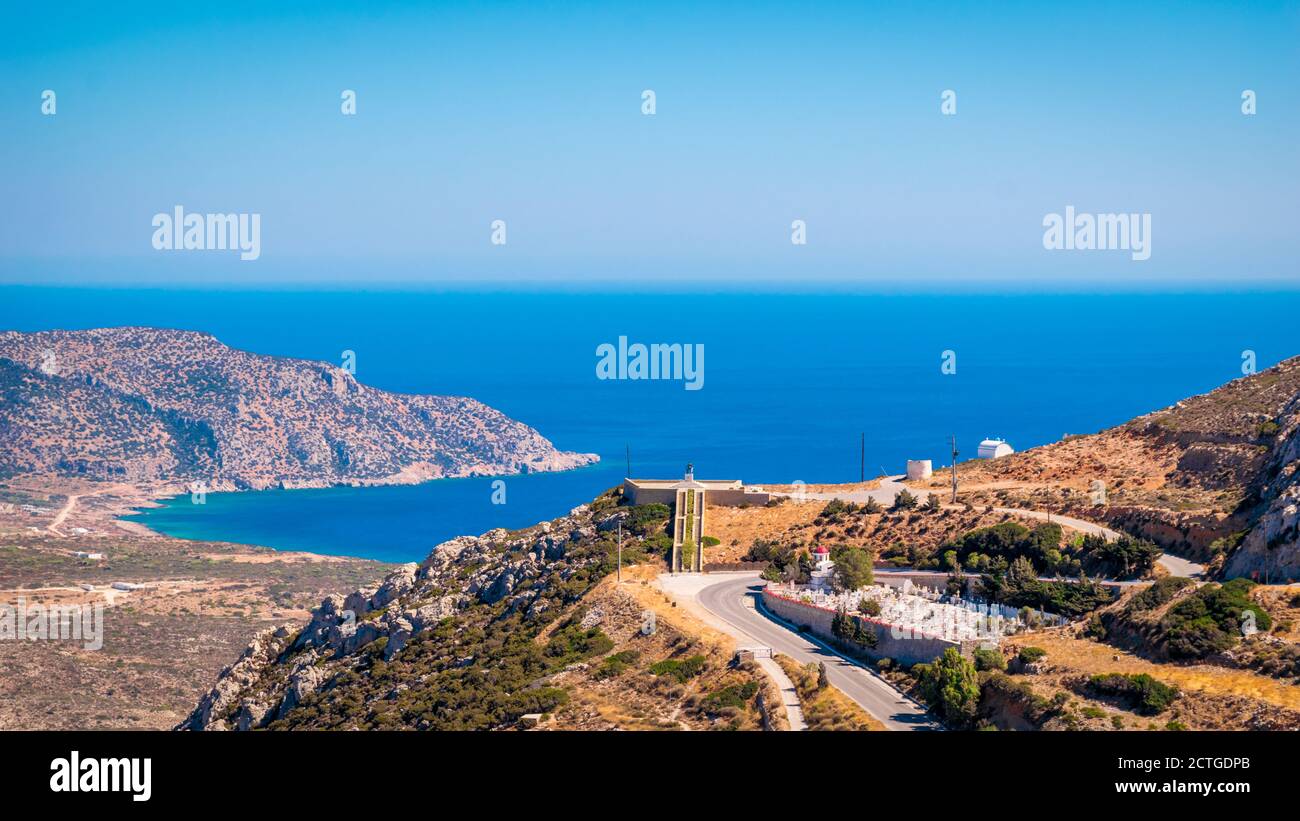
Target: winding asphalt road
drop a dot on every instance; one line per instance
(733, 599)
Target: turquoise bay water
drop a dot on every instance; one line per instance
(791, 383)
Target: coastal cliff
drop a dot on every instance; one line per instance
(150, 405)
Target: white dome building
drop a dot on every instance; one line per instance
(993, 448)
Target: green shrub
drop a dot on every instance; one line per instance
(1210, 620)
(850, 632)
(987, 658)
(643, 520)
(683, 670)
(950, 685)
(572, 643)
(733, 695)
(1021, 587)
(616, 664)
(1158, 594)
(1122, 558)
(763, 550)
(1140, 691)
(1029, 655)
(836, 507)
(997, 546)
(1095, 629)
(853, 568)
(904, 500)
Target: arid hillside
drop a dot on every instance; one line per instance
(1213, 477)
(145, 405)
(492, 629)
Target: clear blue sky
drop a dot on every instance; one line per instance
(767, 112)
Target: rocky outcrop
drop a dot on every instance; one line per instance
(1270, 551)
(469, 579)
(151, 405)
(221, 705)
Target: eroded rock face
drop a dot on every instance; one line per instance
(305, 680)
(428, 615)
(282, 668)
(212, 712)
(1271, 550)
(250, 715)
(394, 586)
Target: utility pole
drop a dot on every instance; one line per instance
(954, 468)
(862, 459)
(620, 553)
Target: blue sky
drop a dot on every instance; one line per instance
(766, 113)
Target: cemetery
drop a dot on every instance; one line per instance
(909, 624)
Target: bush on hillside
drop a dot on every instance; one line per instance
(1122, 558)
(1210, 620)
(1140, 691)
(904, 500)
(1029, 655)
(950, 685)
(1158, 594)
(642, 520)
(683, 670)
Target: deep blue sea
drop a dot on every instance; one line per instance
(791, 381)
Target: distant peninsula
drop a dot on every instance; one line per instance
(157, 406)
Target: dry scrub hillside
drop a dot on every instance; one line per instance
(1057, 693)
(697, 687)
(1209, 477)
(492, 631)
(904, 538)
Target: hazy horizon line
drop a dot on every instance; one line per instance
(918, 285)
